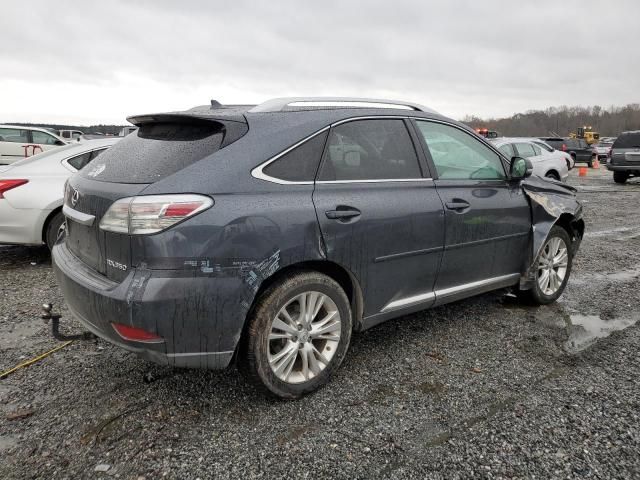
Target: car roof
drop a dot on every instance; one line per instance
(332, 108)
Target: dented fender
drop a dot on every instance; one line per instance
(551, 203)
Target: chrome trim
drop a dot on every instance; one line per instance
(382, 180)
(259, 174)
(473, 285)
(279, 104)
(78, 217)
(197, 354)
(408, 302)
(446, 292)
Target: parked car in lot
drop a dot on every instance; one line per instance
(268, 234)
(70, 134)
(547, 162)
(569, 160)
(624, 156)
(18, 142)
(578, 148)
(31, 192)
(602, 148)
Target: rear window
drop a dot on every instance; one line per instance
(156, 151)
(627, 140)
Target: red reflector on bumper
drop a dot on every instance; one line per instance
(136, 334)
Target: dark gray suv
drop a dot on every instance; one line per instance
(264, 236)
(624, 156)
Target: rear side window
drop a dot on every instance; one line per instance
(299, 164)
(627, 140)
(370, 150)
(156, 151)
(80, 161)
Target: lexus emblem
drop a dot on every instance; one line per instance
(74, 197)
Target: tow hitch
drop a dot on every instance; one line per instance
(47, 315)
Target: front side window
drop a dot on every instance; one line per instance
(299, 164)
(507, 149)
(379, 149)
(42, 138)
(14, 135)
(458, 155)
(525, 150)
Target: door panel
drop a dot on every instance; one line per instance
(394, 246)
(489, 238)
(487, 218)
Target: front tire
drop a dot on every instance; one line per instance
(298, 334)
(553, 267)
(620, 177)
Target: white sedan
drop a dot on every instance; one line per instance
(549, 164)
(31, 191)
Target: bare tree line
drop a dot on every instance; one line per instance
(609, 122)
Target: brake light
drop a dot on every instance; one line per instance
(6, 185)
(136, 334)
(152, 213)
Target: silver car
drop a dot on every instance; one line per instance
(546, 161)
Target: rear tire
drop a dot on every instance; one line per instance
(620, 177)
(553, 268)
(290, 354)
(53, 229)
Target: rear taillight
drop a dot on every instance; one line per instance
(152, 213)
(136, 334)
(564, 147)
(6, 185)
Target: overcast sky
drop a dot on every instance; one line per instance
(98, 62)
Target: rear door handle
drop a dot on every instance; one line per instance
(342, 213)
(457, 205)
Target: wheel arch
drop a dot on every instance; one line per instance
(574, 227)
(47, 220)
(335, 271)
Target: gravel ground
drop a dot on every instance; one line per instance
(483, 388)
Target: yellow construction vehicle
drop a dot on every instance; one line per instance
(587, 133)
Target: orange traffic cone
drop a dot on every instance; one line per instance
(582, 172)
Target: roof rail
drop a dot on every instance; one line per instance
(289, 103)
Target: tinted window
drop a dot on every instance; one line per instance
(14, 135)
(507, 149)
(155, 151)
(42, 138)
(79, 161)
(370, 150)
(458, 155)
(301, 163)
(627, 140)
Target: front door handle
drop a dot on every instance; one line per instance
(457, 205)
(342, 213)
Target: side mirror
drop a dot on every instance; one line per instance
(520, 168)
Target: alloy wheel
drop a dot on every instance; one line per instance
(304, 336)
(552, 265)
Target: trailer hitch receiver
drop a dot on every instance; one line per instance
(47, 314)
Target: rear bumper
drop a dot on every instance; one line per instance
(166, 303)
(624, 168)
(21, 225)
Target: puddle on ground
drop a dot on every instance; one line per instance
(583, 331)
(622, 276)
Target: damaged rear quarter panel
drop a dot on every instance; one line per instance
(205, 272)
